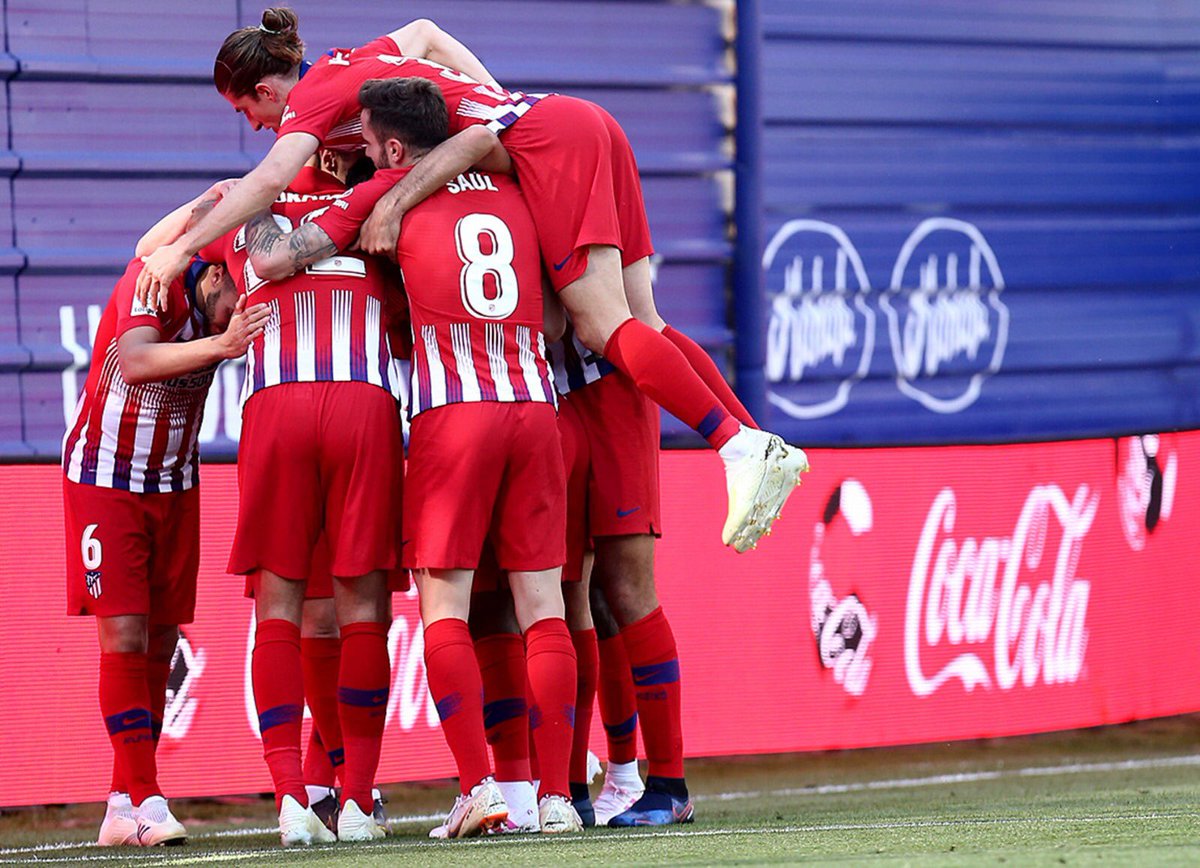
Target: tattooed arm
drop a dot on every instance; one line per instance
(275, 254)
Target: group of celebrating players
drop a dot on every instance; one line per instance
(527, 511)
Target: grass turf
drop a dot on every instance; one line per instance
(1127, 793)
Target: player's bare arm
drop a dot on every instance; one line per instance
(474, 146)
(170, 227)
(275, 254)
(423, 38)
(255, 192)
(145, 358)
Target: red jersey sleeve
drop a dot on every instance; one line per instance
(342, 220)
(327, 95)
(131, 313)
(218, 251)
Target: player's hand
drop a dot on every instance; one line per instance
(381, 230)
(162, 268)
(245, 325)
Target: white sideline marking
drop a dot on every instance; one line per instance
(816, 790)
(961, 778)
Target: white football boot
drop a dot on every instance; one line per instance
(622, 787)
(354, 825)
(119, 828)
(299, 825)
(556, 816)
(156, 825)
(481, 810)
(760, 472)
(521, 798)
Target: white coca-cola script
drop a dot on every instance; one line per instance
(1002, 592)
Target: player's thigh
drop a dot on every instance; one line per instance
(362, 472)
(639, 293)
(624, 568)
(596, 300)
(528, 527)
(456, 464)
(175, 558)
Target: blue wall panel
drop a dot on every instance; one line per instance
(982, 222)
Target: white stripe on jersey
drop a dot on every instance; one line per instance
(75, 462)
(248, 378)
(374, 309)
(494, 340)
(306, 336)
(549, 369)
(114, 406)
(343, 307)
(533, 381)
(143, 440)
(464, 362)
(271, 340)
(437, 371)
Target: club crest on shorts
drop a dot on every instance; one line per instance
(92, 579)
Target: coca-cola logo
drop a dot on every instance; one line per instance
(947, 324)
(821, 331)
(1012, 609)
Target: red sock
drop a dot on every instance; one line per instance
(663, 373)
(125, 704)
(703, 364)
(157, 675)
(587, 666)
(275, 671)
(505, 712)
(655, 666)
(363, 683)
(618, 704)
(318, 770)
(550, 659)
(321, 661)
(457, 690)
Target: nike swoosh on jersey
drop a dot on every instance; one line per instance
(622, 513)
(559, 266)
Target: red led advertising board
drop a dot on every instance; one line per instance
(908, 595)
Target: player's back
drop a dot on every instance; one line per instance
(472, 272)
(324, 103)
(329, 321)
(140, 438)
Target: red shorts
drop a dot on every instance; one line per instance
(319, 457)
(612, 484)
(580, 179)
(485, 471)
(132, 554)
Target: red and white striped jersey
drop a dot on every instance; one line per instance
(472, 272)
(575, 366)
(324, 103)
(329, 322)
(138, 438)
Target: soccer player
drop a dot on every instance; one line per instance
(616, 487)
(320, 453)
(131, 510)
(580, 180)
(484, 459)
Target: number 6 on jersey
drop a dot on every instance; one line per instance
(469, 233)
